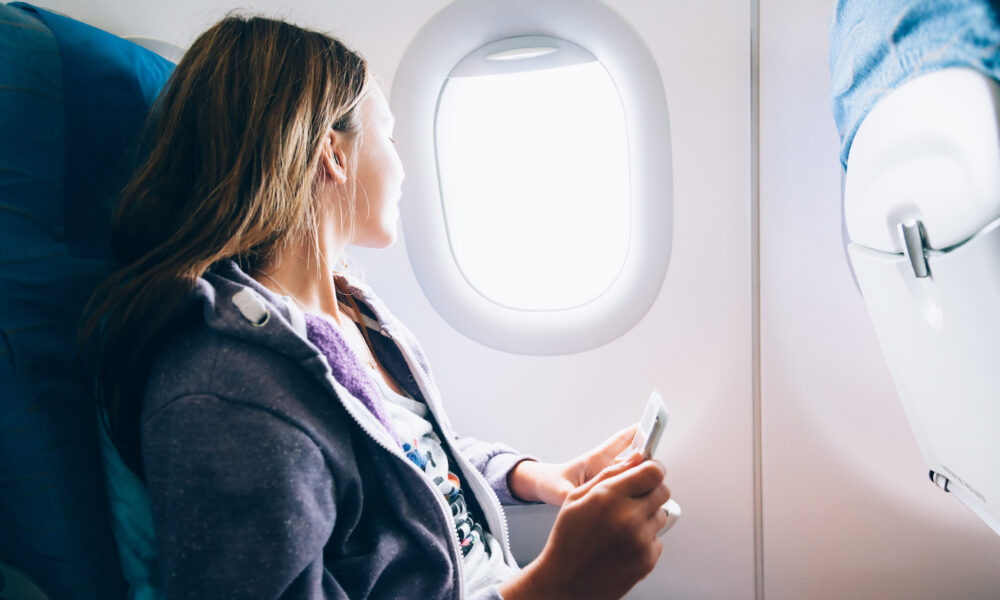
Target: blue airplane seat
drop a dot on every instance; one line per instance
(72, 102)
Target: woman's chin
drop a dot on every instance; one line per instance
(382, 239)
(389, 240)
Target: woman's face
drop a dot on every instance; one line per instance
(379, 175)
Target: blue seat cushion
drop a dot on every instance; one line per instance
(73, 99)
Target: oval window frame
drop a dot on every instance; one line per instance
(457, 31)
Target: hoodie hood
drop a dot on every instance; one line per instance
(234, 304)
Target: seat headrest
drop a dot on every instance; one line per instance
(109, 85)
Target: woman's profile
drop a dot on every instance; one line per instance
(285, 423)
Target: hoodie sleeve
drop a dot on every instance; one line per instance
(242, 501)
(495, 462)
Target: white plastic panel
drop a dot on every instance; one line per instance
(941, 338)
(929, 152)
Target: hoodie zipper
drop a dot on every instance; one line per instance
(472, 474)
(367, 422)
(360, 417)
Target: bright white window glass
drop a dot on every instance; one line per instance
(534, 174)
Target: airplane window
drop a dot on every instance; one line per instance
(537, 209)
(533, 164)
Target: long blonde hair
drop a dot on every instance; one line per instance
(235, 140)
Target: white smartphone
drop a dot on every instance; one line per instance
(647, 438)
(651, 425)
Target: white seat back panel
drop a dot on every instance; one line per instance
(941, 338)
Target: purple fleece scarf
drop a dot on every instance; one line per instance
(346, 368)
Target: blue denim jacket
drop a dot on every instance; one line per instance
(269, 478)
(877, 46)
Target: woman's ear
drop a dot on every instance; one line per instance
(333, 160)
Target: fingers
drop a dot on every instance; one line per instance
(639, 481)
(653, 556)
(655, 499)
(609, 472)
(657, 521)
(614, 445)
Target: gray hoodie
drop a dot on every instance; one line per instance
(270, 477)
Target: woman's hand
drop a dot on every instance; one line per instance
(604, 539)
(550, 483)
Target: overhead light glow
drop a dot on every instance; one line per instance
(522, 53)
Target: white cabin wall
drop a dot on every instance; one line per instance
(849, 511)
(695, 343)
(379, 29)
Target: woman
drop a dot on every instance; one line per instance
(287, 426)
